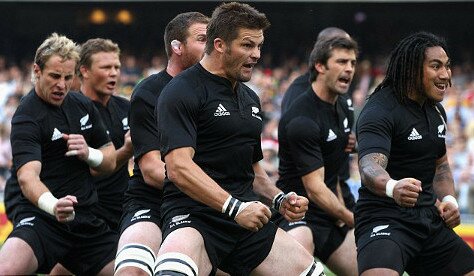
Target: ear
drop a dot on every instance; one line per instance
(176, 46)
(219, 45)
(36, 70)
(84, 71)
(319, 67)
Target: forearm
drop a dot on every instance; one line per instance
(152, 168)
(108, 162)
(263, 186)
(194, 182)
(443, 182)
(123, 156)
(373, 174)
(29, 181)
(329, 202)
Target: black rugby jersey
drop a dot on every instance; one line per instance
(110, 188)
(201, 110)
(313, 134)
(36, 134)
(144, 133)
(411, 136)
(296, 88)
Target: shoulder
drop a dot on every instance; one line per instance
(248, 91)
(151, 87)
(120, 101)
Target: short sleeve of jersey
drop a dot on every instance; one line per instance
(257, 152)
(143, 128)
(303, 137)
(442, 112)
(176, 113)
(25, 140)
(374, 131)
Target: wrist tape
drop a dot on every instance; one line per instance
(46, 202)
(95, 157)
(452, 199)
(231, 207)
(389, 187)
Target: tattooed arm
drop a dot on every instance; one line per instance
(374, 176)
(443, 185)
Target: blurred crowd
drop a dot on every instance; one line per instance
(271, 82)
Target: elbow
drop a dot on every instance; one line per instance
(154, 177)
(175, 172)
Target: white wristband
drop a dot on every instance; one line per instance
(95, 157)
(46, 202)
(452, 199)
(389, 187)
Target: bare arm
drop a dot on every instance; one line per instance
(108, 163)
(125, 152)
(33, 188)
(443, 186)
(372, 172)
(374, 176)
(443, 182)
(263, 186)
(194, 182)
(152, 168)
(320, 194)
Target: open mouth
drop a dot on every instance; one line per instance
(249, 65)
(344, 80)
(111, 84)
(441, 86)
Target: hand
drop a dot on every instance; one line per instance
(77, 146)
(253, 216)
(450, 214)
(351, 142)
(406, 191)
(294, 207)
(64, 209)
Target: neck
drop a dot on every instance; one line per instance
(417, 97)
(174, 67)
(323, 92)
(93, 95)
(213, 63)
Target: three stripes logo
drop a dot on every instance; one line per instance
(56, 135)
(414, 135)
(221, 111)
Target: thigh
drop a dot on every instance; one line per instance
(144, 232)
(303, 235)
(279, 262)
(44, 236)
(343, 261)
(188, 241)
(17, 257)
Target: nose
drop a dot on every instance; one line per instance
(445, 73)
(61, 84)
(256, 53)
(114, 71)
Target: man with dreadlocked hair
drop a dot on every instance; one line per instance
(406, 209)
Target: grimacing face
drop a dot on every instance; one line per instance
(54, 81)
(436, 73)
(103, 74)
(242, 54)
(338, 71)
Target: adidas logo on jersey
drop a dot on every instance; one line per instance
(331, 136)
(56, 135)
(84, 120)
(414, 135)
(221, 111)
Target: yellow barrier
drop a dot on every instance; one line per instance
(5, 225)
(466, 231)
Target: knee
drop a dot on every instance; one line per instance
(175, 264)
(134, 259)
